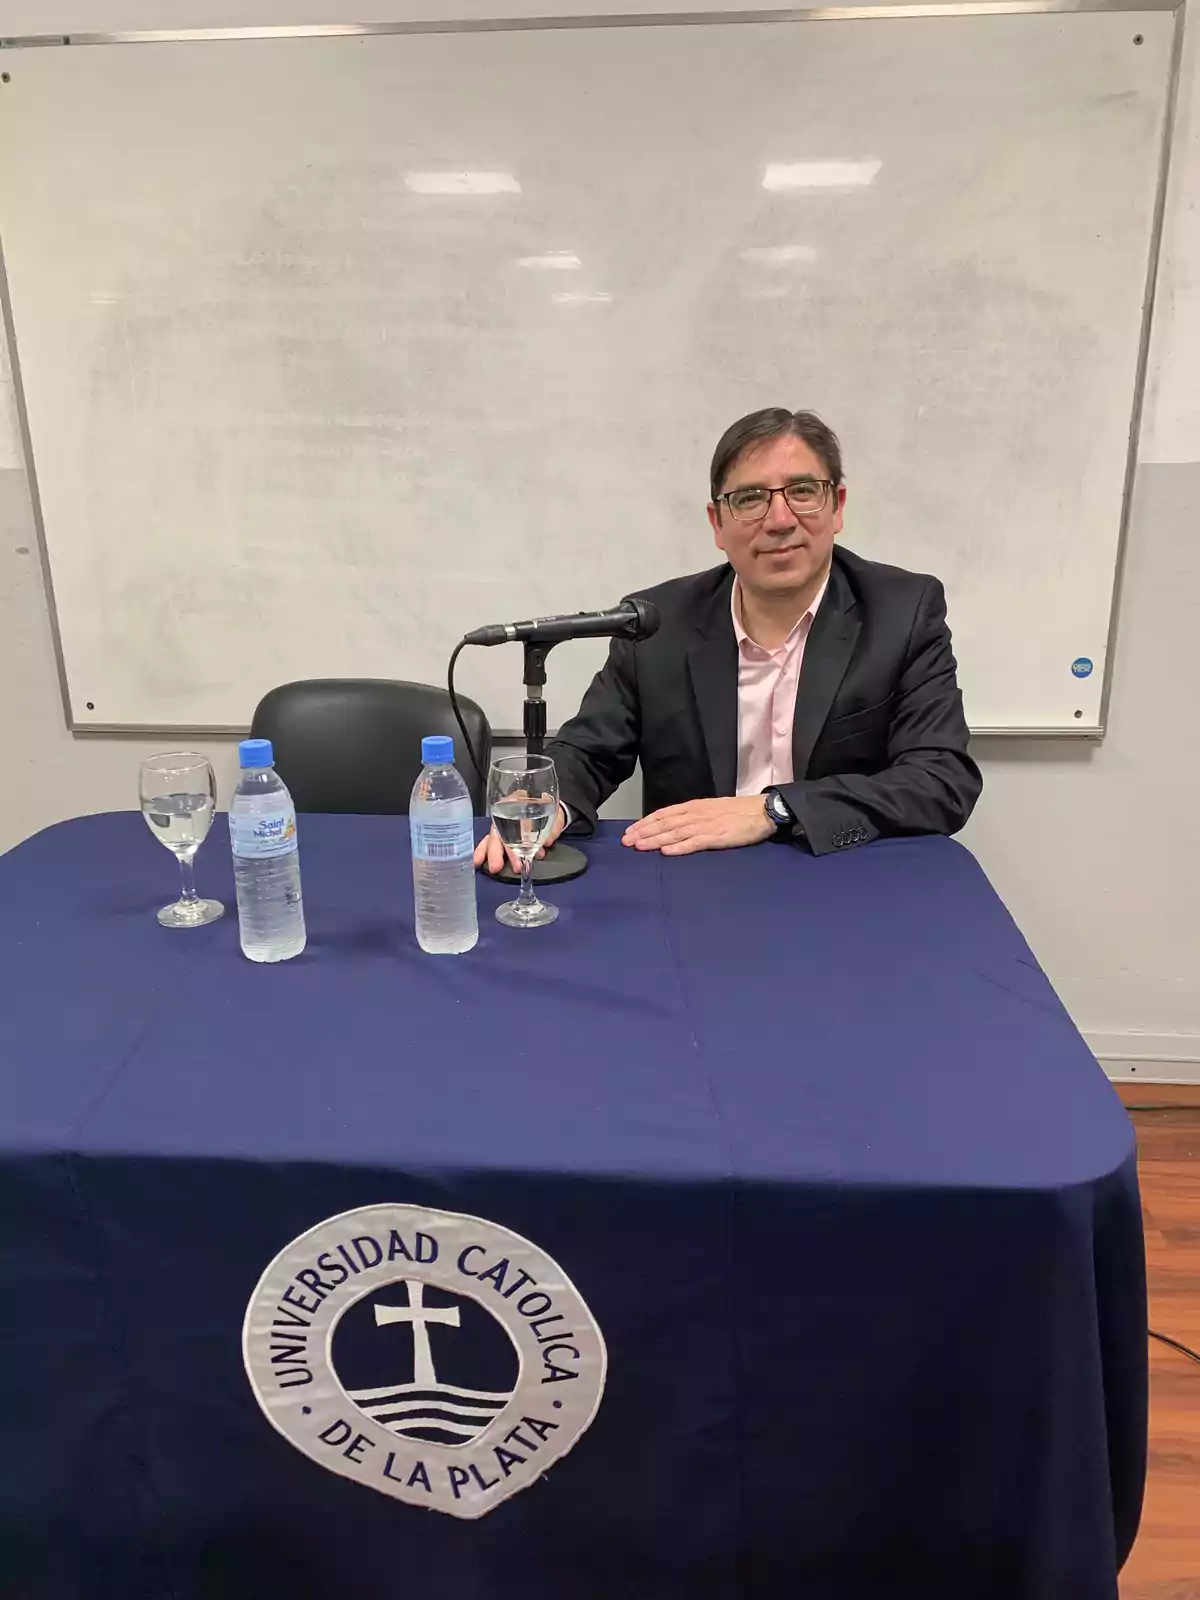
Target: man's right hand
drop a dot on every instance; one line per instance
(489, 852)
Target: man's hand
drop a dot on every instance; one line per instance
(489, 852)
(723, 824)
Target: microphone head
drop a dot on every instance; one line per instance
(646, 618)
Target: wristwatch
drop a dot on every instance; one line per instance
(779, 812)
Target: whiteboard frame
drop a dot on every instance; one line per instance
(680, 19)
(652, 19)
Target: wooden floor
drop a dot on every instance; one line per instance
(1165, 1564)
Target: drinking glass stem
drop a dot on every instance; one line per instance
(187, 870)
(527, 899)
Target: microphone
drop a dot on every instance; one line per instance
(632, 619)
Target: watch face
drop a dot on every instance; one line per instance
(778, 807)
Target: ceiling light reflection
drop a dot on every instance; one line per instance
(781, 176)
(552, 261)
(778, 255)
(461, 183)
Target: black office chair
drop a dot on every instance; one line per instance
(354, 744)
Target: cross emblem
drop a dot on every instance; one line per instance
(420, 1316)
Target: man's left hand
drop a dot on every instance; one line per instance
(723, 824)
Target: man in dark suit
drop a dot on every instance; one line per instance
(796, 692)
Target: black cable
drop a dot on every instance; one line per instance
(1184, 1350)
(458, 714)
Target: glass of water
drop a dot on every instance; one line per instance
(179, 796)
(523, 801)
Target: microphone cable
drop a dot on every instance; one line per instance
(458, 716)
(1184, 1350)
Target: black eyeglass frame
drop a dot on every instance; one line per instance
(825, 484)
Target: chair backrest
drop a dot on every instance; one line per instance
(354, 744)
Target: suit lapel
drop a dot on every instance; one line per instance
(713, 667)
(827, 654)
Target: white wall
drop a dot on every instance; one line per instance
(1091, 847)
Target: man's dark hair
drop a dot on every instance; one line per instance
(775, 422)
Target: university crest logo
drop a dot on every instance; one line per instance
(432, 1356)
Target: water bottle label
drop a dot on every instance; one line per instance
(257, 838)
(450, 840)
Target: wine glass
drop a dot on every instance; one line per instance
(179, 795)
(523, 801)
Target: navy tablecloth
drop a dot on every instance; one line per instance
(854, 1208)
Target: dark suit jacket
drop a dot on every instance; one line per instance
(879, 742)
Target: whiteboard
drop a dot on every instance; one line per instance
(332, 348)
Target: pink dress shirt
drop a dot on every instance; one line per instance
(767, 684)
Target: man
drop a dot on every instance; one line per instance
(798, 692)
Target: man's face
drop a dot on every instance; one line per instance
(783, 553)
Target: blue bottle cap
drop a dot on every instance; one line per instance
(256, 753)
(437, 751)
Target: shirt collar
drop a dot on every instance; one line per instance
(805, 622)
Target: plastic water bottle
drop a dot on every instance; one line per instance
(266, 859)
(443, 844)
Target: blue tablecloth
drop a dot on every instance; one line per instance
(855, 1209)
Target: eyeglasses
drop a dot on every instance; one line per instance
(803, 497)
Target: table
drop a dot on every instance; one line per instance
(854, 1208)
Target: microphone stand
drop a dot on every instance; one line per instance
(562, 861)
